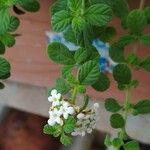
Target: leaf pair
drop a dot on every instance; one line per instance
(62, 131)
(79, 17)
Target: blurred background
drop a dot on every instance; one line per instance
(23, 103)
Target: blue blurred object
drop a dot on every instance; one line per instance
(105, 62)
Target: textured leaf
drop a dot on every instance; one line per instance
(98, 14)
(29, 5)
(62, 86)
(89, 73)
(102, 84)
(66, 70)
(120, 8)
(55, 130)
(74, 5)
(117, 142)
(81, 55)
(136, 21)
(145, 64)
(4, 21)
(132, 145)
(2, 48)
(66, 140)
(116, 52)
(143, 107)
(8, 40)
(112, 105)
(145, 39)
(14, 24)
(122, 74)
(60, 54)
(58, 6)
(61, 20)
(108, 34)
(69, 124)
(117, 121)
(126, 40)
(78, 24)
(108, 141)
(4, 68)
(133, 59)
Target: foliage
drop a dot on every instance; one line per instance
(81, 22)
(8, 26)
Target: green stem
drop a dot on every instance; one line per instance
(126, 110)
(74, 95)
(83, 7)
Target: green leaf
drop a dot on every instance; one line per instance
(136, 21)
(1, 86)
(147, 13)
(2, 48)
(126, 40)
(145, 64)
(48, 129)
(4, 68)
(86, 102)
(60, 54)
(102, 84)
(55, 130)
(134, 83)
(122, 74)
(4, 21)
(133, 59)
(78, 24)
(74, 5)
(29, 5)
(81, 55)
(120, 8)
(69, 35)
(108, 34)
(66, 70)
(89, 73)
(81, 89)
(66, 140)
(143, 106)
(8, 40)
(69, 124)
(107, 141)
(58, 6)
(62, 86)
(132, 145)
(61, 20)
(14, 24)
(98, 14)
(145, 39)
(117, 142)
(7, 3)
(116, 53)
(112, 105)
(117, 121)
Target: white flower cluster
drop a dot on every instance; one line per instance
(61, 109)
(86, 121)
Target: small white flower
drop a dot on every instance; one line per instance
(66, 111)
(96, 106)
(89, 130)
(55, 118)
(54, 98)
(80, 116)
